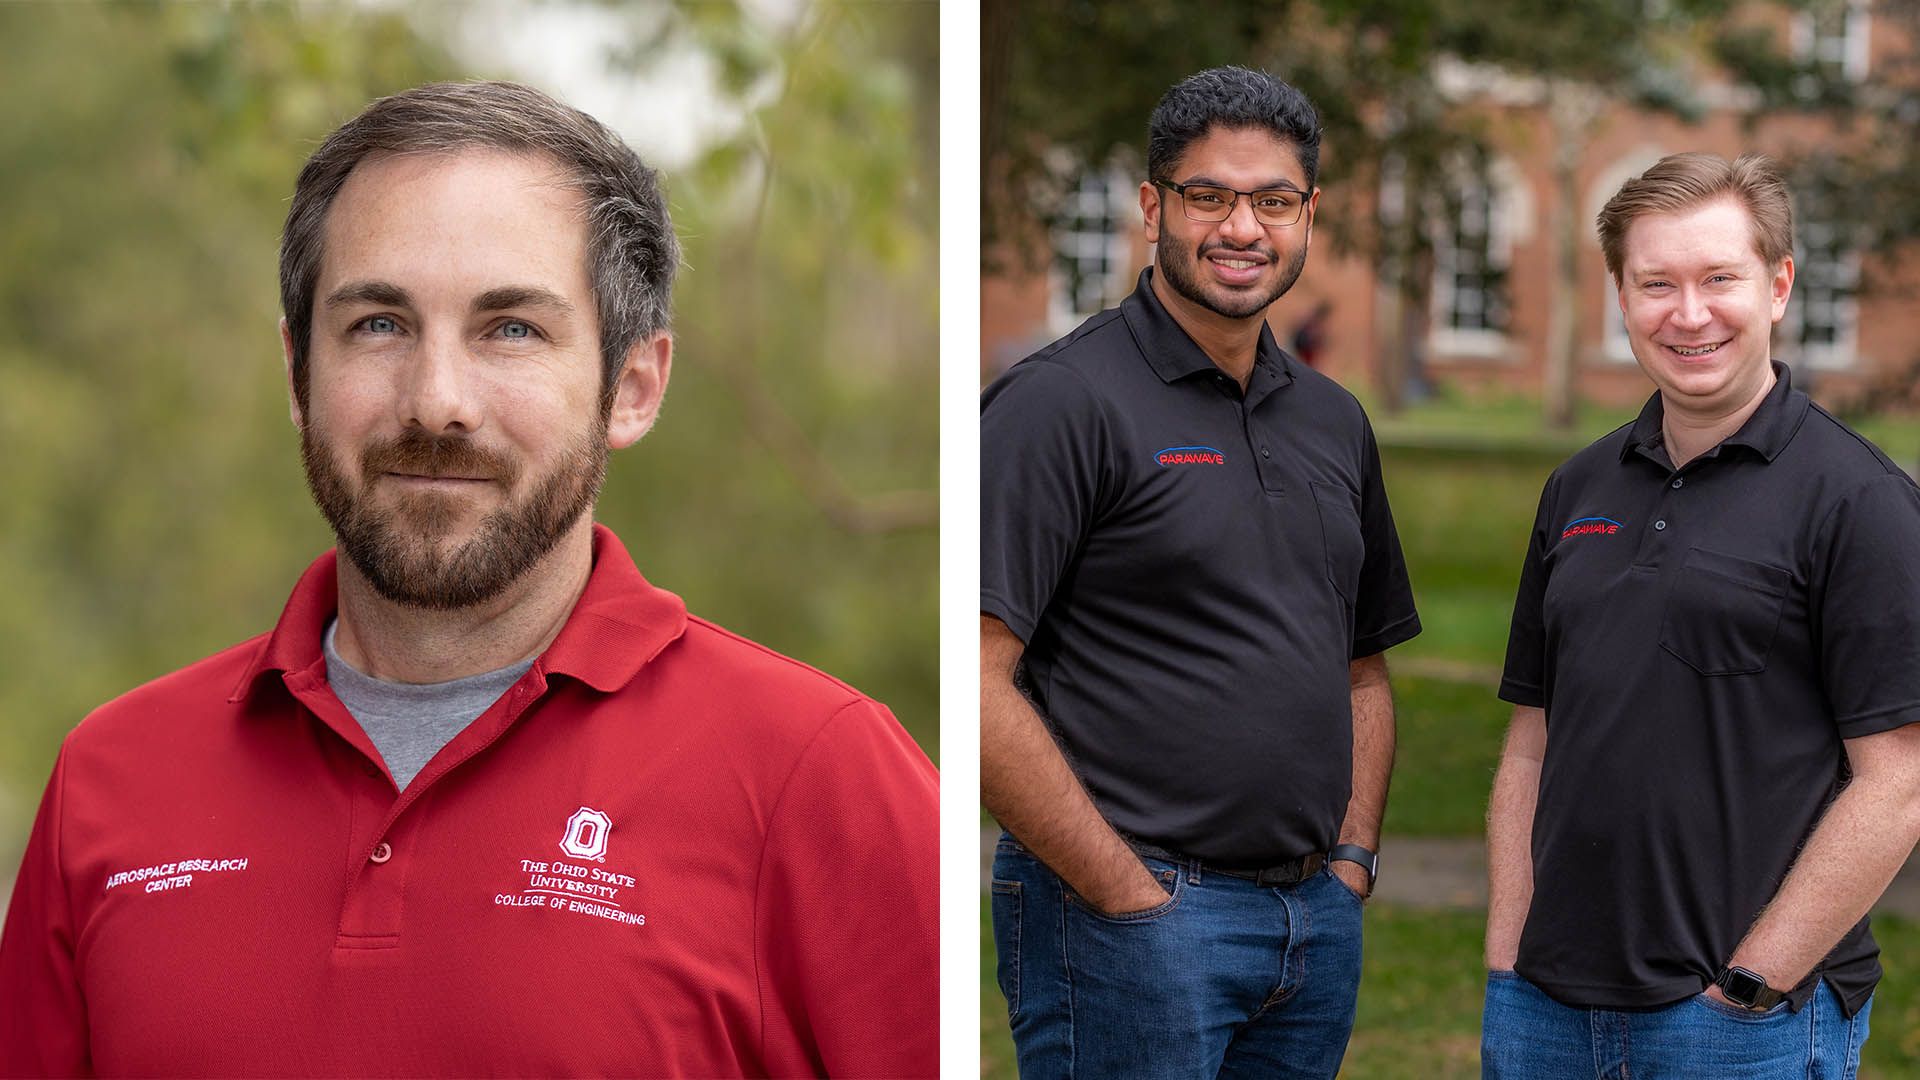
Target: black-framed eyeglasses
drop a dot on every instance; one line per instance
(1211, 202)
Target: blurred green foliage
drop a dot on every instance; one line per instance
(154, 506)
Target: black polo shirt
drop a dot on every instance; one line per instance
(1191, 570)
(1702, 641)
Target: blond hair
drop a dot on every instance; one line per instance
(1683, 181)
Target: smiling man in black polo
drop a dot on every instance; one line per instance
(1188, 557)
(1714, 767)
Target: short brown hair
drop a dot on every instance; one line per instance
(1683, 181)
(631, 250)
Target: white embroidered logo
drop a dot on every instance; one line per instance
(586, 835)
(559, 885)
(162, 877)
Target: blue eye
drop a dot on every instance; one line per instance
(517, 330)
(382, 324)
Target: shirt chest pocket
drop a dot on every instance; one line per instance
(1340, 531)
(1724, 612)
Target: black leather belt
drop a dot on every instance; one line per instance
(1291, 872)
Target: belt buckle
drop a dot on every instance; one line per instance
(1293, 872)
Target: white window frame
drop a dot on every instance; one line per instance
(1109, 191)
(1614, 346)
(1850, 49)
(1831, 286)
(1506, 220)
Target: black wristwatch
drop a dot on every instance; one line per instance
(1354, 853)
(1748, 990)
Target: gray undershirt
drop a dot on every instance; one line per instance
(409, 722)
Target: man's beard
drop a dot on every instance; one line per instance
(1181, 266)
(397, 546)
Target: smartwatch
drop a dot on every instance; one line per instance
(1354, 853)
(1747, 990)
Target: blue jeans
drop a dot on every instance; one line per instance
(1526, 1035)
(1225, 979)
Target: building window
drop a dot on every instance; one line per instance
(1471, 251)
(1833, 37)
(1091, 259)
(1822, 324)
(1614, 346)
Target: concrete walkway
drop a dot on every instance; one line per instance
(1451, 875)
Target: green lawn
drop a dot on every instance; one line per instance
(1514, 422)
(996, 1043)
(1449, 742)
(1463, 523)
(1893, 1045)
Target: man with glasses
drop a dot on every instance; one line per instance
(1189, 575)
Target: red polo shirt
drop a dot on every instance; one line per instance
(666, 851)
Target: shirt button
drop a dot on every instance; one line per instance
(1658, 525)
(1265, 453)
(382, 851)
(1679, 481)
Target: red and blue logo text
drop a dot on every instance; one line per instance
(1590, 526)
(1189, 455)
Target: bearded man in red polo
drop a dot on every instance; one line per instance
(484, 800)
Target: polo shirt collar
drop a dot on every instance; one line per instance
(1766, 432)
(619, 623)
(1173, 355)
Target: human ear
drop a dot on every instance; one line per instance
(639, 388)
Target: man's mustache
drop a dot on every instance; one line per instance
(1255, 248)
(418, 453)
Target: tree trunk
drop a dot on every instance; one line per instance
(1390, 284)
(997, 22)
(1389, 329)
(1572, 109)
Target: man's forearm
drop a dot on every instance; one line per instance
(1373, 743)
(1860, 843)
(1516, 790)
(1026, 783)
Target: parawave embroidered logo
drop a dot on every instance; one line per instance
(559, 885)
(586, 835)
(1588, 526)
(1189, 455)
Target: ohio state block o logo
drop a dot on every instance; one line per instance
(586, 835)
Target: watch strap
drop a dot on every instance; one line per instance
(1354, 853)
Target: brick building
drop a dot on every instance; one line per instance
(1851, 321)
